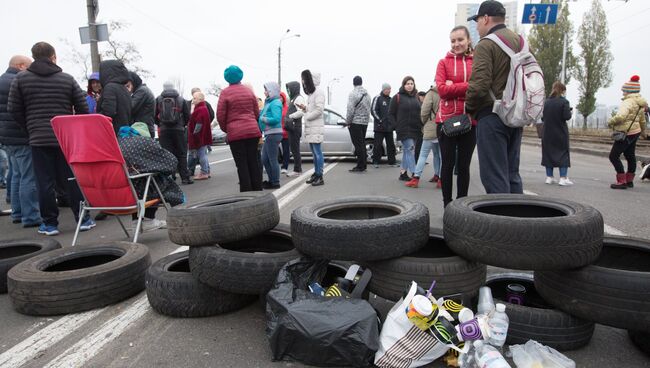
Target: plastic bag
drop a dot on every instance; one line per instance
(535, 355)
(317, 330)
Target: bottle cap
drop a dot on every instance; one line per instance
(501, 307)
(478, 344)
(465, 315)
(422, 305)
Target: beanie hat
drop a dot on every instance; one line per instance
(233, 74)
(633, 86)
(357, 81)
(168, 85)
(385, 86)
(142, 129)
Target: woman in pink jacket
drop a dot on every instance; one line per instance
(452, 77)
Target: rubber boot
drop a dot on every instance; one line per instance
(621, 182)
(629, 178)
(413, 183)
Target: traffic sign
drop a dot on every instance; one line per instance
(540, 14)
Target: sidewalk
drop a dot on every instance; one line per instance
(595, 149)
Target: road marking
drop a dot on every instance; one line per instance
(288, 198)
(301, 179)
(528, 192)
(220, 161)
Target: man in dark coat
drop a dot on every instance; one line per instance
(34, 112)
(143, 103)
(382, 128)
(172, 116)
(115, 101)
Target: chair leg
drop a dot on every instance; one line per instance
(162, 198)
(138, 227)
(82, 212)
(123, 228)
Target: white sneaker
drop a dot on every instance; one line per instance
(293, 174)
(284, 171)
(565, 182)
(150, 224)
(550, 180)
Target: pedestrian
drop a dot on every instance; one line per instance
(33, 113)
(286, 146)
(143, 103)
(314, 123)
(430, 105)
(404, 111)
(293, 125)
(270, 123)
(383, 131)
(630, 120)
(207, 104)
(237, 114)
(14, 137)
(172, 116)
(94, 92)
(499, 146)
(357, 118)
(200, 135)
(452, 74)
(115, 101)
(555, 135)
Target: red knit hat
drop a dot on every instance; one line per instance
(633, 86)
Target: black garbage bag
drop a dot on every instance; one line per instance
(317, 330)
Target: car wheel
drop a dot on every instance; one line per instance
(370, 146)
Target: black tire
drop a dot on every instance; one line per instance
(248, 266)
(77, 279)
(524, 232)
(12, 252)
(536, 319)
(641, 339)
(613, 291)
(360, 228)
(172, 291)
(223, 220)
(435, 261)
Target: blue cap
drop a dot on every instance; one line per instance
(93, 76)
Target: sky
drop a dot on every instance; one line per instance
(382, 41)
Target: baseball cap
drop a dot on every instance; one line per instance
(490, 8)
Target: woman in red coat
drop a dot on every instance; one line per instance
(199, 136)
(452, 77)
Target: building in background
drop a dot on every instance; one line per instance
(463, 11)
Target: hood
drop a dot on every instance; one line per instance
(359, 91)
(451, 55)
(135, 78)
(311, 80)
(113, 71)
(403, 91)
(283, 98)
(170, 93)
(44, 68)
(273, 88)
(294, 89)
(636, 97)
(316, 77)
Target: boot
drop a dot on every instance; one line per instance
(621, 182)
(318, 181)
(404, 176)
(629, 177)
(413, 183)
(311, 179)
(434, 179)
(439, 184)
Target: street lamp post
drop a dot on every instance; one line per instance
(329, 90)
(286, 36)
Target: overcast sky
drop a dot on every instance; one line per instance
(380, 40)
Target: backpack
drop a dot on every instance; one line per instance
(522, 102)
(169, 110)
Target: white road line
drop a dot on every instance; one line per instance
(528, 192)
(301, 179)
(45, 338)
(288, 198)
(220, 161)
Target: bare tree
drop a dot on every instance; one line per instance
(214, 89)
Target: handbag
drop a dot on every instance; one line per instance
(619, 136)
(457, 125)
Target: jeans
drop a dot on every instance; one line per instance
(246, 157)
(286, 153)
(4, 166)
(175, 142)
(499, 148)
(627, 147)
(358, 137)
(24, 195)
(319, 161)
(270, 157)
(294, 142)
(408, 156)
(563, 171)
(428, 146)
(378, 147)
(203, 159)
(456, 153)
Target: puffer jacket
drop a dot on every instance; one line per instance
(237, 113)
(428, 113)
(115, 101)
(313, 118)
(11, 133)
(458, 69)
(293, 121)
(30, 109)
(405, 114)
(285, 109)
(358, 106)
(270, 120)
(183, 110)
(632, 105)
(143, 103)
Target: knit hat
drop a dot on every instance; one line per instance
(233, 74)
(385, 86)
(142, 129)
(357, 81)
(633, 86)
(168, 85)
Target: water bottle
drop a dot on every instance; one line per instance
(498, 325)
(485, 301)
(487, 356)
(466, 360)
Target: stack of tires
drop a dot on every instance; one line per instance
(237, 248)
(588, 277)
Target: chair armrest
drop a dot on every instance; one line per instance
(143, 175)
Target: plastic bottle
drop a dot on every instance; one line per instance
(485, 301)
(487, 356)
(466, 360)
(498, 325)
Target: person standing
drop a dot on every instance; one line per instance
(33, 112)
(200, 135)
(207, 104)
(499, 146)
(404, 111)
(94, 92)
(314, 123)
(270, 123)
(143, 103)
(115, 101)
(429, 138)
(237, 114)
(382, 129)
(286, 146)
(629, 119)
(14, 137)
(172, 115)
(293, 125)
(555, 135)
(357, 118)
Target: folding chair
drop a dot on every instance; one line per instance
(90, 147)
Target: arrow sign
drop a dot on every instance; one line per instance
(540, 14)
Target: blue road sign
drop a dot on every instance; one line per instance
(540, 14)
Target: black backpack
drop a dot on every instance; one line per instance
(169, 110)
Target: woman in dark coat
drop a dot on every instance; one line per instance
(555, 137)
(404, 111)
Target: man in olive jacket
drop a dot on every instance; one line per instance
(498, 145)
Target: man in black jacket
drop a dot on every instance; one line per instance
(33, 111)
(115, 101)
(143, 103)
(172, 116)
(293, 125)
(382, 128)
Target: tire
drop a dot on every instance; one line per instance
(641, 339)
(360, 228)
(12, 252)
(172, 291)
(435, 261)
(523, 232)
(77, 279)
(223, 220)
(536, 319)
(613, 291)
(245, 267)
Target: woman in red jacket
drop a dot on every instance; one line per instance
(199, 136)
(452, 77)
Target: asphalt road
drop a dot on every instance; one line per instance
(131, 334)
